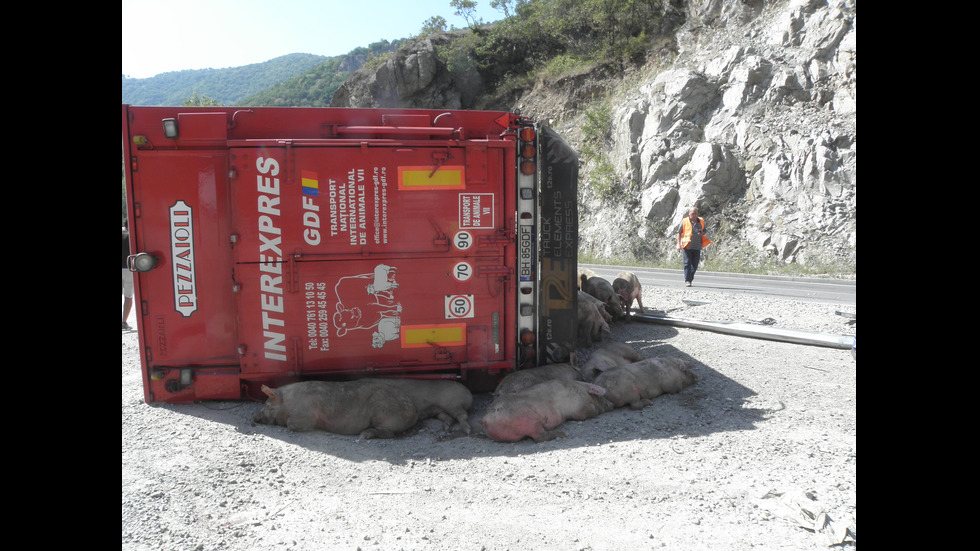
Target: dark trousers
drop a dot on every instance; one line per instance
(691, 259)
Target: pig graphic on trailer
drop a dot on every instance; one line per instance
(367, 301)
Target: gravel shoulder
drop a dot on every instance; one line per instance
(760, 453)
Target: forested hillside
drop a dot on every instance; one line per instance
(315, 87)
(289, 80)
(226, 86)
(535, 35)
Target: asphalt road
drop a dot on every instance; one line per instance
(842, 291)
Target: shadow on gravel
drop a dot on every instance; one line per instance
(714, 404)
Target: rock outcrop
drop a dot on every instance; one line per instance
(413, 76)
(753, 120)
(754, 123)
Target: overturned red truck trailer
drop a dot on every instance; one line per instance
(272, 245)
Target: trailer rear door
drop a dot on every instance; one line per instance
(187, 302)
(368, 259)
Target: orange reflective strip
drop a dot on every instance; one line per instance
(418, 336)
(423, 177)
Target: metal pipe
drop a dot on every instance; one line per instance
(388, 130)
(760, 332)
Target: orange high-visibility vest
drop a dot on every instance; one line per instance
(688, 229)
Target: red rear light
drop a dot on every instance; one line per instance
(527, 168)
(527, 134)
(528, 151)
(527, 357)
(527, 337)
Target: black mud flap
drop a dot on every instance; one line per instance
(558, 200)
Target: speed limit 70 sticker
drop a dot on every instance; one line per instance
(459, 306)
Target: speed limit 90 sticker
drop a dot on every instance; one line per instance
(459, 306)
(463, 240)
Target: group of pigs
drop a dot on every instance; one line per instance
(529, 403)
(600, 302)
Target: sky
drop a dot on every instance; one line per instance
(173, 35)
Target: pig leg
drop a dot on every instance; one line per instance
(546, 435)
(396, 413)
(451, 419)
(641, 403)
(463, 419)
(387, 427)
(372, 433)
(643, 394)
(447, 420)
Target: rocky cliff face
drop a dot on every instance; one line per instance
(752, 118)
(755, 124)
(411, 77)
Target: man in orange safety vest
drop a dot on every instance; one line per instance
(690, 240)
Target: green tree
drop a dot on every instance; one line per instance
(201, 101)
(433, 24)
(502, 6)
(467, 10)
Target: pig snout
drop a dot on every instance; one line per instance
(627, 285)
(602, 290)
(271, 410)
(265, 416)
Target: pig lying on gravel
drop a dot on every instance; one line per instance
(447, 400)
(366, 407)
(627, 286)
(602, 290)
(535, 411)
(638, 383)
(607, 356)
(590, 322)
(519, 380)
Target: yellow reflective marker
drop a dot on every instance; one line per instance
(418, 336)
(431, 177)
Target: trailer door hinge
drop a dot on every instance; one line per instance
(439, 158)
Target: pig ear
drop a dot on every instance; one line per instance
(271, 392)
(596, 389)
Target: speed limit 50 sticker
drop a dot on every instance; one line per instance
(459, 306)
